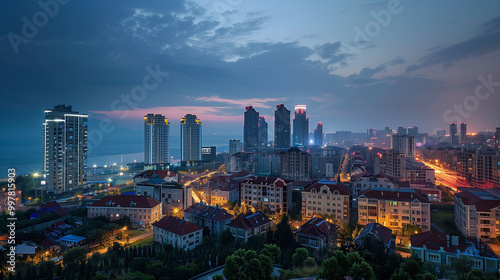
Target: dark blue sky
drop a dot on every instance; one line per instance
(412, 67)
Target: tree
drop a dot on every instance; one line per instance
(361, 270)
(136, 276)
(156, 269)
(299, 257)
(246, 264)
(218, 277)
(272, 251)
(74, 255)
(284, 235)
(101, 276)
(461, 265)
(226, 237)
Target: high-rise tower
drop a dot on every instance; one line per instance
(300, 126)
(156, 139)
(250, 129)
(281, 128)
(64, 149)
(190, 138)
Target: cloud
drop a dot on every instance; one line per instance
(486, 42)
(256, 102)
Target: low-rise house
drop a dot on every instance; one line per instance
(378, 232)
(142, 210)
(441, 249)
(177, 232)
(326, 197)
(71, 240)
(245, 226)
(214, 218)
(429, 189)
(317, 233)
(25, 249)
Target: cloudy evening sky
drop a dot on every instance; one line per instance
(223, 55)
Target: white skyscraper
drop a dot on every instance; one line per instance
(190, 138)
(156, 139)
(64, 149)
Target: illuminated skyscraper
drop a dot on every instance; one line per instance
(250, 129)
(300, 126)
(190, 138)
(281, 128)
(156, 139)
(64, 149)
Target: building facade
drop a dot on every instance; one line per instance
(64, 149)
(235, 146)
(156, 139)
(172, 195)
(394, 208)
(263, 134)
(328, 198)
(318, 134)
(142, 210)
(295, 165)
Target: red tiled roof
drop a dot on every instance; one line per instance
(382, 233)
(482, 205)
(225, 185)
(258, 180)
(50, 205)
(467, 246)
(177, 226)
(249, 221)
(154, 173)
(341, 188)
(407, 195)
(47, 243)
(210, 212)
(135, 201)
(317, 227)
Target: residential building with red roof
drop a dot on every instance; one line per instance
(177, 232)
(226, 187)
(267, 193)
(326, 197)
(142, 210)
(213, 217)
(477, 213)
(166, 175)
(441, 249)
(295, 164)
(317, 233)
(394, 208)
(245, 226)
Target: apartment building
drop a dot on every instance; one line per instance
(142, 210)
(177, 232)
(394, 208)
(317, 233)
(326, 197)
(267, 193)
(171, 194)
(477, 213)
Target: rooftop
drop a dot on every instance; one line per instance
(177, 226)
(135, 201)
(249, 221)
